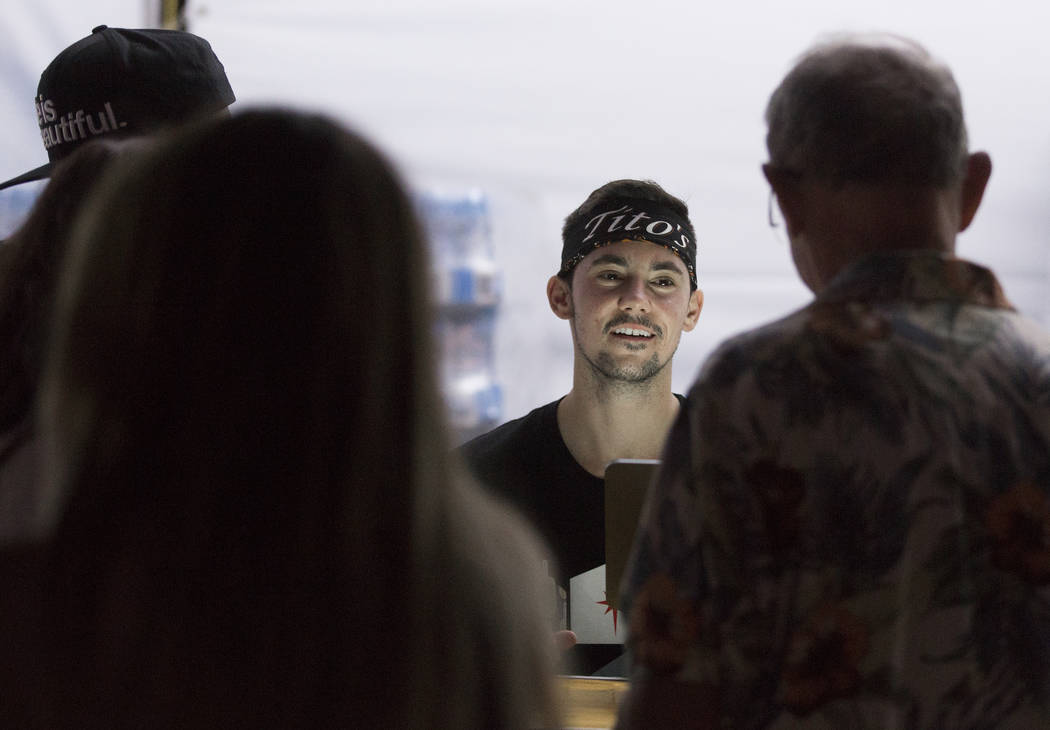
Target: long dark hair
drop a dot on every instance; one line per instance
(259, 518)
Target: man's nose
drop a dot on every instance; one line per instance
(634, 296)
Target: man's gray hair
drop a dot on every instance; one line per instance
(868, 108)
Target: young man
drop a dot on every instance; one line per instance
(851, 527)
(627, 287)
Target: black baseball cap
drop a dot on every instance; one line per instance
(120, 83)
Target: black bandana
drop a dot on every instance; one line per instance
(631, 219)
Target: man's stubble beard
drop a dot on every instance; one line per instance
(607, 370)
(606, 366)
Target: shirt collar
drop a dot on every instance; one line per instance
(922, 275)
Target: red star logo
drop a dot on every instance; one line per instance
(615, 612)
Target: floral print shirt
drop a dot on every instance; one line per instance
(852, 524)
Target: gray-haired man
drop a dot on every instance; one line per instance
(852, 523)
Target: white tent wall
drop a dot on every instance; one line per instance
(537, 102)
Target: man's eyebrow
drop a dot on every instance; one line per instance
(673, 264)
(608, 258)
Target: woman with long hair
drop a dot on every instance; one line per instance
(259, 521)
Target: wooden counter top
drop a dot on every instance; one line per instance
(591, 702)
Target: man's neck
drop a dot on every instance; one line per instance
(854, 220)
(600, 422)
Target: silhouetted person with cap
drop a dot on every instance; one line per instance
(112, 85)
(106, 88)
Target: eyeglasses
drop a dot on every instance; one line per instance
(772, 209)
(775, 219)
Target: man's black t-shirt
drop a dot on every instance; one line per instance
(526, 460)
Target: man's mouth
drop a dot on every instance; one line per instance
(632, 332)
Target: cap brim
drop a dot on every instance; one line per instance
(38, 174)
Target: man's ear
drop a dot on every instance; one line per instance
(559, 296)
(978, 170)
(789, 198)
(696, 303)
